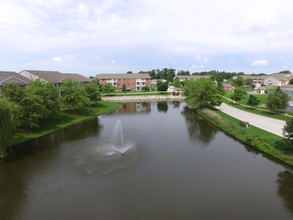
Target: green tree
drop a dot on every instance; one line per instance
(32, 111)
(277, 101)
(176, 83)
(92, 91)
(74, 97)
(41, 101)
(239, 81)
(145, 88)
(252, 101)
(13, 93)
(8, 123)
(49, 94)
(124, 87)
(278, 90)
(288, 130)
(202, 93)
(238, 94)
(108, 88)
(162, 86)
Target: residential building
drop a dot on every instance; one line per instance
(7, 77)
(258, 81)
(133, 81)
(53, 76)
(278, 79)
(188, 77)
(228, 87)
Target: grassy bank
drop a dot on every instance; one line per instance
(261, 140)
(62, 120)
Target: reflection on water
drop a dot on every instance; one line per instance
(198, 128)
(176, 104)
(162, 106)
(285, 191)
(135, 107)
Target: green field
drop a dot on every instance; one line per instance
(63, 120)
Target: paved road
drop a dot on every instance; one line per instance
(272, 125)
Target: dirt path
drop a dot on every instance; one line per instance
(271, 125)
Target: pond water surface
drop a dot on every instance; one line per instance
(175, 166)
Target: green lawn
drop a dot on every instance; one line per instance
(245, 98)
(259, 139)
(62, 120)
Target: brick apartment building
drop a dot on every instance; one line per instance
(132, 81)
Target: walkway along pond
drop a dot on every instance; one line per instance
(175, 165)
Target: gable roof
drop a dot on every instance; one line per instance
(124, 76)
(76, 77)
(50, 76)
(57, 77)
(6, 75)
(282, 76)
(192, 76)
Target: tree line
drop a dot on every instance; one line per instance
(24, 108)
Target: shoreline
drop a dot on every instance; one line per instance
(143, 98)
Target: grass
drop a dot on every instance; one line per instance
(63, 120)
(259, 139)
(245, 98)
(140, 94)
(259, 112)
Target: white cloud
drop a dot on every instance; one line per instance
(260, 63)
(57, 59)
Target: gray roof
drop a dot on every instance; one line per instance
(76, 77)
(5, 75)
(50, 76)
(57, 77)
(192, 76)
(124, 76)
(255, 77)
(226, 85)
(282, 76)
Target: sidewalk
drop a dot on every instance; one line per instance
(271, 125)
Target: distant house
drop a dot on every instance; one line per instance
(188, 77)
(228, 87)
(53, 76)
(133, 81)
(262, 90)
(278, 79)
(7, 78)
(258, 81)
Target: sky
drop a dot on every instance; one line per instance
(115, 36)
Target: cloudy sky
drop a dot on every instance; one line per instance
(116, 36)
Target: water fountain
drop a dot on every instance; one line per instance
(109, 155)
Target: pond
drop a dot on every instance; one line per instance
(156, 160)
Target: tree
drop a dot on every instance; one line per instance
(124, 87)
(145, 88)
(238, 94)
(41, 101)
(176, 83)
(253, 101)
(162, 86)
(277, 101)
(202, 93)
(49, 94)
(239, 81)
(92, 91)
(288, 130)
(13, 93)
(108, 88)
(278, 89)
(8, 123)
(73, 96)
